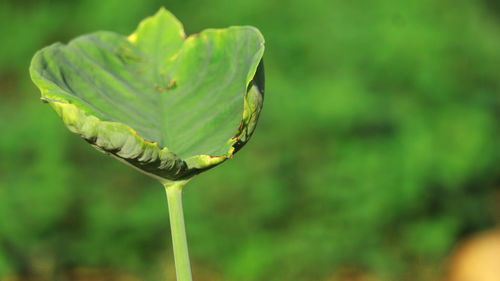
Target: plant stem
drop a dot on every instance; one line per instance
(178, 229)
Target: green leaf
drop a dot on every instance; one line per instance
(168, 105)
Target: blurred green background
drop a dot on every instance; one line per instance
(375, 153)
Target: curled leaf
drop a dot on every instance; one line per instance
(168, 105)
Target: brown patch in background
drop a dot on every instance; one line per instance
(476, 259)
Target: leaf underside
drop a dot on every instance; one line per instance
(170, 106)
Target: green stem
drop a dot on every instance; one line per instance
(181, 254)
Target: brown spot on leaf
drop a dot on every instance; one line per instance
(172, 85)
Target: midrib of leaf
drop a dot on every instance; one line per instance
(161, 109)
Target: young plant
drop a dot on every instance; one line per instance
(169, 106)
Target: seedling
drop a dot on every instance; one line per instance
(171, 107)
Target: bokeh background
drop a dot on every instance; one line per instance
(376, 153)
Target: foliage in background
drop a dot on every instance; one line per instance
(377, 148)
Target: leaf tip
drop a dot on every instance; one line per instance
(132, 38)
